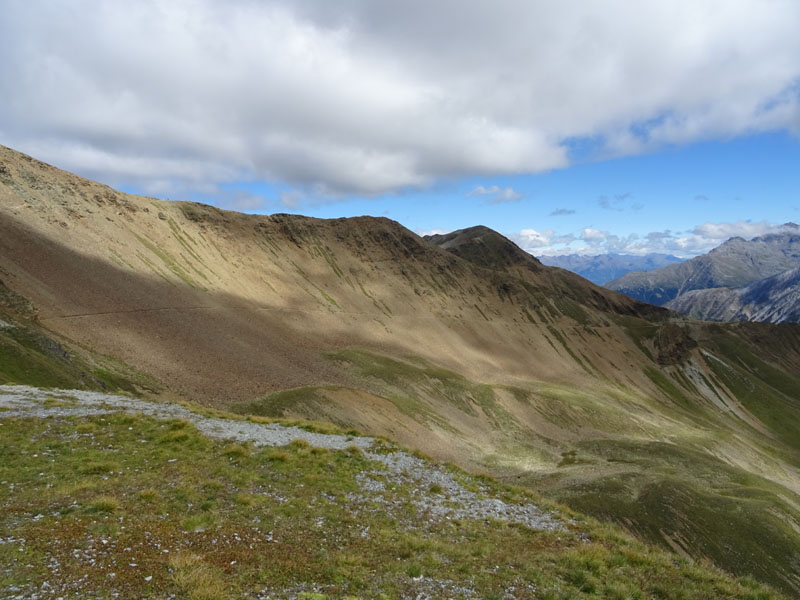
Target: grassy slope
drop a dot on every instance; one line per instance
(32, 355)
(673, 472)
(169, 511)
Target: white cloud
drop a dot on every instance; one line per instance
(593, 235)
(530, 238)
(364, 97)
(496, 194)
(743, 229)
(698, 240)
(424, 232)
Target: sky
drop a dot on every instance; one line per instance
(585, 126)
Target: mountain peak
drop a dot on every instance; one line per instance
(485, 247)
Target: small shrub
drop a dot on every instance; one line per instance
(435, 488)
(354, 450)
(414, 571)
(197, 579)
(420, 454)
(198, 523)
(149, 495)
(104, 504)
(278, 456)
(236, 451)
(98, 468)
(244, 499)
(212, 485)
(174, 437)
(87, 428)
(299, 443)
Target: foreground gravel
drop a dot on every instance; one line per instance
(450, 500)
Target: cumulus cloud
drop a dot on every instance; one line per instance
(530, 239)
(496, 195)
(363, 97)
(698, 240)
(424, 232)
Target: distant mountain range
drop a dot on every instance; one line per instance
(775, 299)
(607, 267)
(734, 264)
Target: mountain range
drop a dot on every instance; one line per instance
(462, 346)
(774, 299)
(740, 280)
(603, 268)
(734, 263)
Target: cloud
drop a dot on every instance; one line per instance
(365, 98)
(618, 202)
(559, 212)
(743, 229)
(698, 240)
(496, 194)
(701, 198)
(424, 232)
(530, 238)
(291, 199)
(593, 235)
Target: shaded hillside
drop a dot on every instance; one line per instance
(774, 299)
(476, 353)
(603, 268)
(735, 263)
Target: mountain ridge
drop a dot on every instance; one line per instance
(527, 371)
(603, 268)
(775, 299)
(734, 263)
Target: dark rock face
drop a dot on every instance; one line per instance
(674, 344)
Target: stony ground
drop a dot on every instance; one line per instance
(454, 502)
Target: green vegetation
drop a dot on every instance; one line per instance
(685, 499)
(278, 404)
(771, 394)
(408, 382)
(29, 356)
(170, 263)
(200, 519)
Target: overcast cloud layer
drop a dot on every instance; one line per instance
(365, 97)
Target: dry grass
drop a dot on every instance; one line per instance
(197, 579)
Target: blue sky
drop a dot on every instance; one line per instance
(583, 127)
(744, 186)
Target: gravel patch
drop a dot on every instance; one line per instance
(435, 491)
